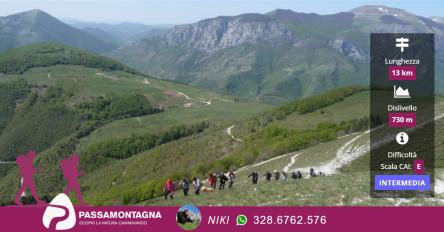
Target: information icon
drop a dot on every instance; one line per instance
(402, 138)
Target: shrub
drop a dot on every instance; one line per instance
(126, 147)
(117, 107)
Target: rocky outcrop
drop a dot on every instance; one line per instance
(223, 32)
(275, 56)
(348, 49)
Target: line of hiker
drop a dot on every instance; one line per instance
(282, 175)
(219, 180)
(213, 178)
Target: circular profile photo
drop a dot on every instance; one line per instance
(188, 217)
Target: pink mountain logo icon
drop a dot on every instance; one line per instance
(59, 214)
(27, 170)
(70, 172)
(69, 167)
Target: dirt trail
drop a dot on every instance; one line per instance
(292, 161)
(146, 82)
(182, 94)
(269, 160)
(187, 105)
(7, 162)
(223, 99)
(107, 76)
(351, 151)
(231, 134)
(344, 155)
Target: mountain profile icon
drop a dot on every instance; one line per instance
(400, 92)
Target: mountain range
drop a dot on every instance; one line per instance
(121, 33)
(272, 58)
(37, 26)
(278, 56)
(133, 131)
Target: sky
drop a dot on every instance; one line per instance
(188, 11)
(191, 208)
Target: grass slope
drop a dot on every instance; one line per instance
(141, 176)
(47, 111)
(348, 185)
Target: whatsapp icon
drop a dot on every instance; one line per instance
(241, 220)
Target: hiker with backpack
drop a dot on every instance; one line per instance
(231, 178)
(312, 173)
(212, 180)
(254, 177)
(222, 179)
(268, 176)
(185, 186)
(294, 176)
(299, 175)
(168, 189)
(197, 185)
(276, 175)
(284, 175)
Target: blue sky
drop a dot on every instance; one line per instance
(187, 11)
(191, 208)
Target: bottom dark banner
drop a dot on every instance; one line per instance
(59, 217)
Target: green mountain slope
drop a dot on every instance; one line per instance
(37, 26)
(24, 58)
(275, 57)
(138, 177)
(298, 135)
(57, 104)
(345, 160)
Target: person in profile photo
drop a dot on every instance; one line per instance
(183, 217)
(69, 167)
(188, 217)
(27, 170)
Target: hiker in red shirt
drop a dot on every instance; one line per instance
(168, 189)
(212, 180)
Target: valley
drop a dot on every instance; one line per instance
(140, 104)
(77, 86)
